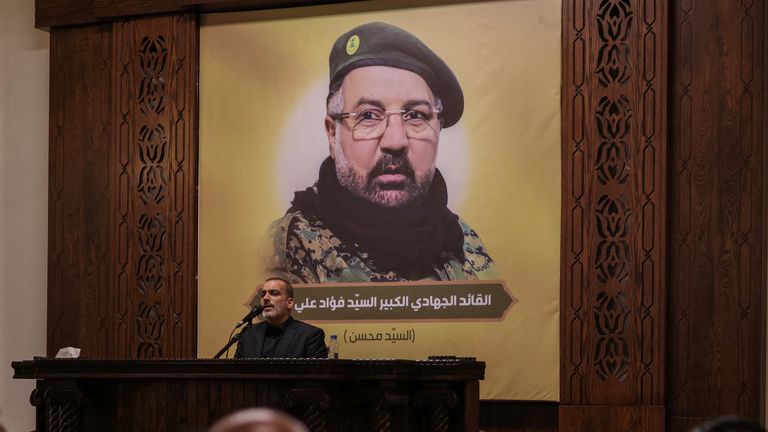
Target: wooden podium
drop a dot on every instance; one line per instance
(438, 394)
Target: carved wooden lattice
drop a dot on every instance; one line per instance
(155, 183)
(613, 171)
(151, 186)
(613, 260)
(612, 350)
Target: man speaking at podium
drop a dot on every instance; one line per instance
(279, 335)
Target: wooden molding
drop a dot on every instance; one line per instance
(56, 13)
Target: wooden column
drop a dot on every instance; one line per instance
(613, 251)
(155, 185)
(79, 196)
(717, 219)
(123, 241)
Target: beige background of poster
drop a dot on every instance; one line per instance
(263, 77)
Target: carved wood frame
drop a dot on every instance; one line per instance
(614, 147)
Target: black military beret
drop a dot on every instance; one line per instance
(381, 44)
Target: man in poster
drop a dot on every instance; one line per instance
(378, 211)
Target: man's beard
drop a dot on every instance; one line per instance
(364, 185)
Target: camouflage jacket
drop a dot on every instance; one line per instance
(306, 251)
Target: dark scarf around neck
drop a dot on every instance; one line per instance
(408, 240)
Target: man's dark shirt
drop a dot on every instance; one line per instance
(294, 339)
(272, 337)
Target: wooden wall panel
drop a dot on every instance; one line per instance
(716, 237)
(53, 13)
(154, 184)
(123, 197)
(79, 194)
(613, 251)
(113, 8)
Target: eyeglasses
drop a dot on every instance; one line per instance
(420, 122)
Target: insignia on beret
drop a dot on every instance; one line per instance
(388, 45)
(353, 43)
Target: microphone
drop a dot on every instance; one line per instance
(257, 310)
(246, 320)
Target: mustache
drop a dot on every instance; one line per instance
(392, 164)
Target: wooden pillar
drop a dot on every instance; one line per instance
(614, 204)
(717, 219)
(123, 188)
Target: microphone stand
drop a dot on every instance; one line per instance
(232, 340)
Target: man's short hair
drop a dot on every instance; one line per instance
(288, 286)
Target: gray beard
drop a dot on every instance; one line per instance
(359, 185)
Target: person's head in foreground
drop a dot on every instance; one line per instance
(258, 420)
(729, 424)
